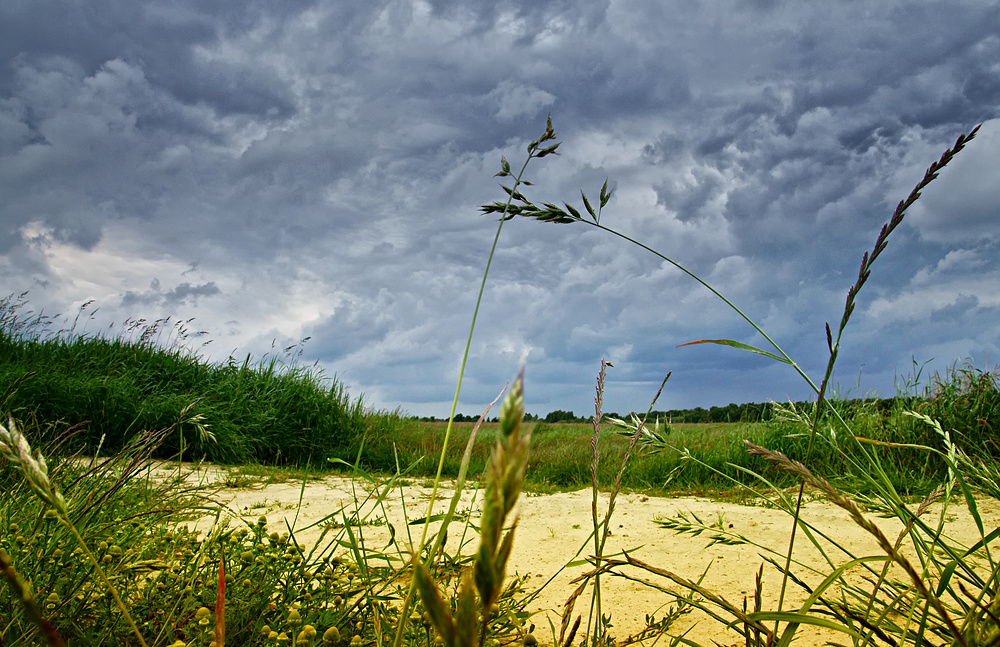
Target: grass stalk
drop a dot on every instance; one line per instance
(468, 624)
(15, 448)
(22, 592)
(535, 150)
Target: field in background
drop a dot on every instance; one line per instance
(704, 458)
(103, 391)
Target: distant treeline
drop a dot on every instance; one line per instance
(747, 412)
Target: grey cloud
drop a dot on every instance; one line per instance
(320, 165)
(181, 294)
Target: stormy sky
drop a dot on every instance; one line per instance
(313, 168)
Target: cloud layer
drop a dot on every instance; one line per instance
(313, 169)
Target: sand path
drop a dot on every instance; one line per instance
(553, 528)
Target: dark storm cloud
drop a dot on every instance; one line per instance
(314, 168)
(182, 294)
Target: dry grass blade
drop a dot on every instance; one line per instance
(572, 633)
(568, 606)
(844, 502)
(220, 606)
(610, 565)
(22, 592)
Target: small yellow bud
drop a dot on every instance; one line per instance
(530, 640)
(294, 618)
(283, 638)
(265, 630)
(331, 635)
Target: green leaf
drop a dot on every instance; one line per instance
(605, 194)
(360, 472)
(590, 209)
(430, 519)
(946, 574)
(740, 346)
(982, 542)
(576, 214)
(549, 150)
(793, 617)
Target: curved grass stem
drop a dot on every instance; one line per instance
(535, 150)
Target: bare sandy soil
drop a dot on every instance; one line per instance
(553, 529)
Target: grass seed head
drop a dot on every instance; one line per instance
(15, 448)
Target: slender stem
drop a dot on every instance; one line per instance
(465, 357)
(458, 387)
(104, 578)
(595, 601)
(729, 303)
(834, 345)
(23, 593)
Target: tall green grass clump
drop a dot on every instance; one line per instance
(99, 552)
(966, 401)
(148, 376)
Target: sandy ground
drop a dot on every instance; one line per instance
(553, 528)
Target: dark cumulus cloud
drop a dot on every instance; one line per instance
(313, 169)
